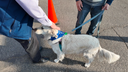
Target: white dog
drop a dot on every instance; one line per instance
(86, 44)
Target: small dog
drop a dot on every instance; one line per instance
(86, 44)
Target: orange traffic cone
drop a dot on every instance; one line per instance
(51, 12)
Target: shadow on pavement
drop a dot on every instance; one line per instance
(115, 38)
(68, 61)
(24, 64)
(48, 52)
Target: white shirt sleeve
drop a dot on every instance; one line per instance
(34, 10)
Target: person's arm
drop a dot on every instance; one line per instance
(32, 8)
(35, 11)
(106, 6)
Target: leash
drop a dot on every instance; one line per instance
(100, 13)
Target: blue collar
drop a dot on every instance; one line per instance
(59, 34)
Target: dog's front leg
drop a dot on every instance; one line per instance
(56, 60)
(60, 54)
(60, 57)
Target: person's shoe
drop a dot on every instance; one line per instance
(76, 33)
(57, 23)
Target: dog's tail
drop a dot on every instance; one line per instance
(108, 56)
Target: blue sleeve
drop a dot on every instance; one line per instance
(109, 2)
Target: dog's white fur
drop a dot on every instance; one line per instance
(86, 44)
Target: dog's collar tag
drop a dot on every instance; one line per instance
(59, 34)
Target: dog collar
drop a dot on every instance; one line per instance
(59, 34)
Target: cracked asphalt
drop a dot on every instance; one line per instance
(113, 37)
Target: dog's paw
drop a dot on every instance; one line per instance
(56, 60)
(61, 60)
(87, 65)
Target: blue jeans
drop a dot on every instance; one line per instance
(82, 15)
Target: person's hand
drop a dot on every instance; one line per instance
(79, 5)
(53, 26)
(105, 7)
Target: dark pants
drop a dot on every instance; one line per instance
(94, 10)
(31, 47)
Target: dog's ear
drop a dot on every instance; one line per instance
(39, 31)
(54, 32)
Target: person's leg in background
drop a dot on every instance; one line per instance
(32, 48)
(81, 16)
(94, 11)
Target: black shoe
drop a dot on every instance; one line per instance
(44, 59)
(77, 33)
(57, 23)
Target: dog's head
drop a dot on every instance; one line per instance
(47, 33)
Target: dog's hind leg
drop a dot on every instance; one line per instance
(90, 58)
